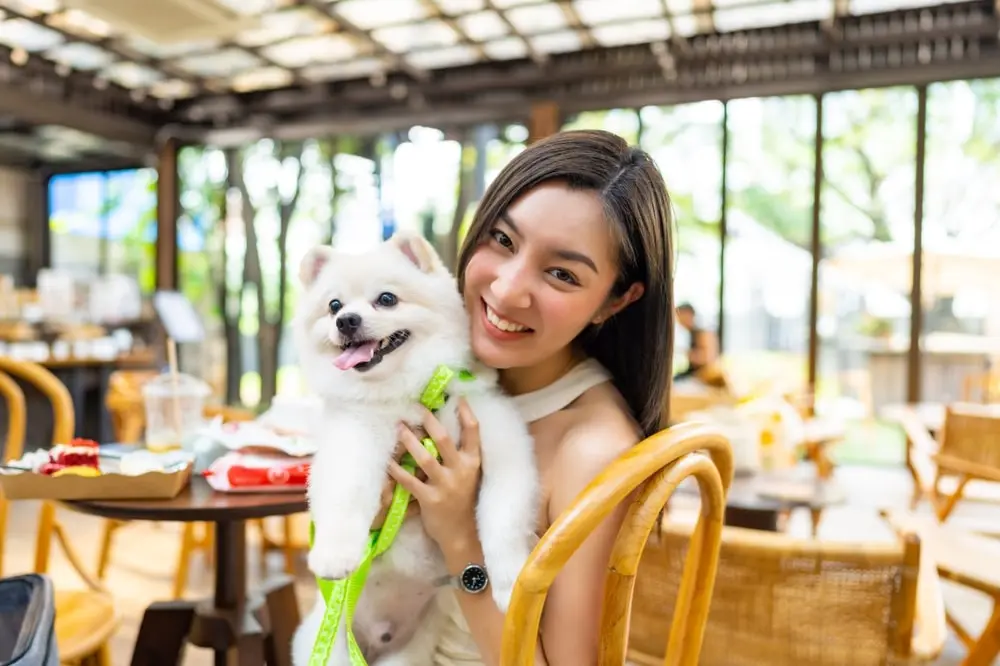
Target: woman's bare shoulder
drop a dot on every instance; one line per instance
(599, 431)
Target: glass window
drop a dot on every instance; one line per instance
(869, 162)
(768, 261)
(686, 143)
(960, 340)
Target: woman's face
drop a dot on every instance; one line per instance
(542, 275)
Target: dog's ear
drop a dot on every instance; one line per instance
(418, 250)
(313, 263)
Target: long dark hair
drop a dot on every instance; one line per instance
(635, 345)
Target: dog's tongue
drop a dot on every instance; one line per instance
(356, 355)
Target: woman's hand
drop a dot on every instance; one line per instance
(388, 486)
(447, 497)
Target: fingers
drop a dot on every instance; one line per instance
(470, 429)
(425, 461)
(442, 440)
(416, 487)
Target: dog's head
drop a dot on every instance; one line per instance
(394, 311)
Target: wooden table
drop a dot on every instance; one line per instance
(241, 631)
(761, 501)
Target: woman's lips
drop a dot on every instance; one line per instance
(496, 326)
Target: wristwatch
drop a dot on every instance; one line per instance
(473, 579)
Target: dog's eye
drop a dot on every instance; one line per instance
(386, 300)
(335, 306)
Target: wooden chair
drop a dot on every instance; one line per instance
(652, 471)
(966, 454)
(14, 442)
(125, 404)
(968, 560)
(983, 387)
(85, 619)
(782, 601)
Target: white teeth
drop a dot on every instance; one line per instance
(503, 324)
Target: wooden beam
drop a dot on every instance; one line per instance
(21, 102)
(447, 114)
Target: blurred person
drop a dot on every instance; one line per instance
(702, 347)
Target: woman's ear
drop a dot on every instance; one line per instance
(619, 303)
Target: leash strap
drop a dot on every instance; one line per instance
(341, 596)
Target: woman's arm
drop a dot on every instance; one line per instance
(481, 613)
(571, 622)
(570, 629)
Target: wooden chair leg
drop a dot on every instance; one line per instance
(207, 543)
(815, 516)
(289, 547)
(264, 546)
(987, 647)
(944, 505)
(108, 530)
(104, 655)
(188, 545)
(43, 540)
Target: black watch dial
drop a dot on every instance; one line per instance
(473, 579)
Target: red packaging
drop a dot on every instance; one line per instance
(248, 473)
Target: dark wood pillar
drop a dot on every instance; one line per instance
(816, 249)
(37, 237)
(723, 227)
(167, 211)
(545, 121)
(913, 383)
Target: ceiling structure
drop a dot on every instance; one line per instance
(230, 70)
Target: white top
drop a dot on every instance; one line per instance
(456, 647)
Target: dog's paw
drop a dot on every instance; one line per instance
(502, 580)
(332, 563)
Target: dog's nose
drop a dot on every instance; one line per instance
(348, 323)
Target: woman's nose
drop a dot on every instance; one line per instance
(510, 288)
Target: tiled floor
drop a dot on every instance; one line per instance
(144, 554)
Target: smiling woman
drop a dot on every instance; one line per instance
(571, 232)
(566, 275)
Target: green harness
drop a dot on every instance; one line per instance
(341, 596)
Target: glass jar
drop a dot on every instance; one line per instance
(175, 407)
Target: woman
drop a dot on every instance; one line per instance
(566, 273)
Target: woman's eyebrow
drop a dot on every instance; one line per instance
(579, 257)
(505, 217)
(568, 255)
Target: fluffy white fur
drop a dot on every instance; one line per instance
(398, 619)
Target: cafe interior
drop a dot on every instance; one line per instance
(826, 490)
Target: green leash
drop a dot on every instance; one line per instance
(341, 596)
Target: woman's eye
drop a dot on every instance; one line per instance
(563, 275)
(386, 300)
(335, 306)
(502, 238)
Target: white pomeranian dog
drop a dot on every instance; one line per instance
(370, 331)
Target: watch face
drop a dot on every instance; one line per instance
(474, 579)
